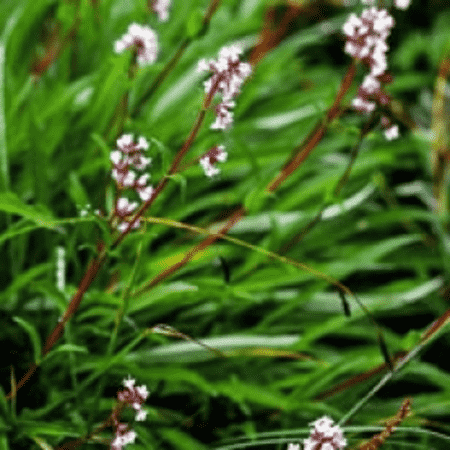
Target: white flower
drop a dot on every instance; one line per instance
(293, 446)
(142, 143)
(370, 84)
(224, 118)
(141, 415)
(203, 66)
(161, 8)
(145, 193)
(217, 153)
(123, 208)
(145, 41)
(127, 438)
(143, 391)
(362, 105)
(325, 436)
(123, 226)
(124, 142)
(392, 133)
(402, 4)
(129, 382)
(141, 162)
(209, 169)
(128, 179)
(116, 156)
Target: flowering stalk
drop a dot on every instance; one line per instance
(366, 37)
(133, 397)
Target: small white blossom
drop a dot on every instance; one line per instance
(143, 143)
(325, 436)
(392, 133)
(402, 4)
(141, 415)
(143, 39)
(128, 437)
(124, 142)
(362, 105)
(124, 207)
(214, 155)
(161, 8)
(224, 117)
(370, 84)
(293, 446)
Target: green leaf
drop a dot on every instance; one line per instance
(194, 24)
(33, 335)
(4, 407)
(25, 278)
(67, 348)
(180, 440)
(77, 191)
(4, 442)
(11, 203)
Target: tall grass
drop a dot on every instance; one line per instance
(308, 278)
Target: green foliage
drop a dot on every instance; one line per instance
(268, 328)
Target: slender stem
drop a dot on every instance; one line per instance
(54, 336)
(235, 217)
(302, 152)
(382, 382)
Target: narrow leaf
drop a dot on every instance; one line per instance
(33, 335)
(345, 303)
(226, 269)
(384, 351)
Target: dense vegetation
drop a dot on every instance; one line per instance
(314, 267)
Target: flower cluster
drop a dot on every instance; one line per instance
(127, 157)
(214, 155)
(134, 397)
(161, 8)
(366, 40)
(324, 436)
(143, 40)
(228, 75)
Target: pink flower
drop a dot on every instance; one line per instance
(325, 436)
(144, 41)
